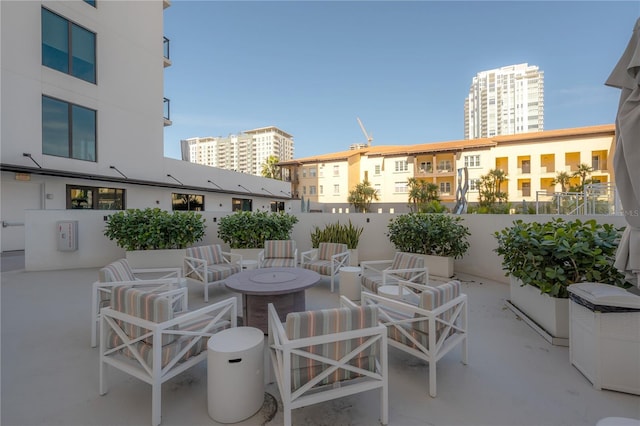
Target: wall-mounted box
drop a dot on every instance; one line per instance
(67, 235)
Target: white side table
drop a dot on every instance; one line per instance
(235, 374)
(249, 264)
(393, 292)
(350, 282)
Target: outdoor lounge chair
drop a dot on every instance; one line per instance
(210, 265)
(428, 330)
(404, 266)
(278, 254)
(327, 259)
(120, 272)
(327, 354)
(144, 335)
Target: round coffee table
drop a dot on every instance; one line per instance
(284, 287)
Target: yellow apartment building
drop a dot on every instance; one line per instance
(530, 161)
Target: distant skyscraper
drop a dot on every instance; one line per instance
(505, 101)
(245, 153)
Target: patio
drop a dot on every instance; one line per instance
(514, 377)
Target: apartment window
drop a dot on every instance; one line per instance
(401, 166)
(321, 189)
(336, 170)
(472, 161)
(241, 204)
(400, 187)
(474, 184)
(304, 172)
(444, 166)
(91, 197)
(526, 189)
(67, 47)
(312, 172)
(277, 206)
(68, 130)
(445, 187)
(426, 167)
(191, 202)
(595, 162)
(378, 189)
(304, 190)
(376, 170)
(312, 190)
(336, 189)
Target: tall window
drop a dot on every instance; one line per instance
(444, 166)
(474, 184)
(336, 189)
(336, 170)
(401, 166)
(376, 170)
(68, 130)
(445, 187)
(400, 187)
(312, 190)
(193, 202)
(312, 172)
(241, 204)
(67, 47)
(90, 197)
(472, 161)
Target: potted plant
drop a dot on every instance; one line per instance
(440, 237)
(543, 259)
(245, 231)
(338, 233)
(165, 234)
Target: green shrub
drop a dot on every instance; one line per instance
(245, 229)
(429, 233)
(337, 233)
(154, 229)
(554, 254)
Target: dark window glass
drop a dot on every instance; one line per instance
(68, 47)
(68, 130)
(241, 204)
(89, 197)
(91, 2)
(277, 206)
(191, 202)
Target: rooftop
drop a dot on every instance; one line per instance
(514, 376)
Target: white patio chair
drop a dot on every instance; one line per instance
(428, 330)
(120, 272)
(210, 265)
(403, 266)
(326, 260)
(327, 354)
(142, 334)
(278, 254)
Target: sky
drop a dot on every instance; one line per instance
(312, 68)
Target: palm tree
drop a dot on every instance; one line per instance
(562, 178)
(583, 171)
(421, 193)
(270, 168)
(362, 195)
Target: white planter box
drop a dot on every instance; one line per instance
(550, 313)
(144, 259)
(439, 266)
(248, 254)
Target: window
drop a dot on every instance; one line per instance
(304, 172)
(192, 202)
(277, 206)
(401, 166)
(472, 161)
(378, 189)
(336, 170)
(90, 197)
(312, 190)
(400, 187)
(474, 184)
(312, 172)
(67, 47)
(241, 204)
(68, 130)
(336, 189)
(321, 188)
(425, 167)
(445, 187)
(526, 189)
(444, 166)
(304, 190)
(376, 170)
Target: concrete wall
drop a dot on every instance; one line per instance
(95, 250)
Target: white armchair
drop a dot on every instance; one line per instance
(327, 354)
(148, 336)
(326, 260)
(404, 266)
(278, 254)
(209, 265)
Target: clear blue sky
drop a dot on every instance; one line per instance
(404, 68)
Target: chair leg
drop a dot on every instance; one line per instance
(432, 378)
(287, 415)
(156, 397)
(206, 292)
(94, 315)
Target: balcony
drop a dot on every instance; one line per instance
(167, 112)
(167, 56)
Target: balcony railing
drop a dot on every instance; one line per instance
(167, 55)
(167, 112)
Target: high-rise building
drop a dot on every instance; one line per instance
(505, 101)
(245, 152)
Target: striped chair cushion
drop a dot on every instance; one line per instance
(323, 267)
(433, 297)
(278, 249)
(278, 263)
(211, 253)
(326, 250)
(221, 271)
(407, 261)
(371, 282)
(118, 270)
(314, 323)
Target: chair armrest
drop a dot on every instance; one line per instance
(260, 257)
(309, 256)
(375, 265)
(345, 302)
(232, 257)
(391, 275)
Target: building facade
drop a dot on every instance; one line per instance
(530, 161)
(505, 101)
(82, 117)
(245, 152)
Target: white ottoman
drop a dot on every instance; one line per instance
(350, 282)
(235, 374)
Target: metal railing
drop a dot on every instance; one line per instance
(596, 199)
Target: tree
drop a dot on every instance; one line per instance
(562, 178)
(489, 188)
(270, 168)
(421, 193)
(583, 171)
(362, 196)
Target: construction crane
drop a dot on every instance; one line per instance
(366, 135)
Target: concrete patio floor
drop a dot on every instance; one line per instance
(514, 376)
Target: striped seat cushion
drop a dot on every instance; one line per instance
(211, 253)
(118, 270)
(279, 249)
(371, 282)
(432, 298)
(278, 262)
(221, 271)
(314, 323)
(407, 261)
(323, 267)
(326, 250)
